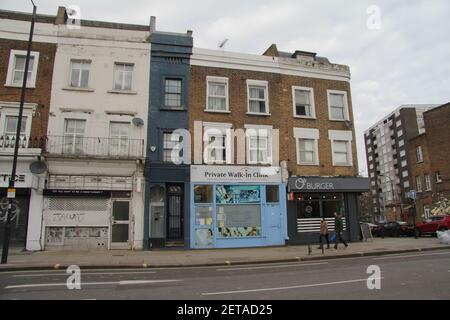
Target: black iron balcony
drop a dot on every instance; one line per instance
(75, 146)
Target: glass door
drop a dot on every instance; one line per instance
(120, 225)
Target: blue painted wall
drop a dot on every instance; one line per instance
(170, 57)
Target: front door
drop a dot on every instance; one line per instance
(274, 234)
(175, 213)
(120, 225)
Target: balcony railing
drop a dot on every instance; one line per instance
(79, 146)
(25, 142)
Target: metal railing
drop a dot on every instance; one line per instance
(8, 141)
(79, 146)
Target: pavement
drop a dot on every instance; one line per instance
(418, 275)
(19, 260)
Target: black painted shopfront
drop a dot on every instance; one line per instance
(312, 198)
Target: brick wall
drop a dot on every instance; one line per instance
(42, 92)
(281, 110)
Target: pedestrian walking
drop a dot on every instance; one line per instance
(338, 228)
(324, 233)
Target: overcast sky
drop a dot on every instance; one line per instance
(403, 58)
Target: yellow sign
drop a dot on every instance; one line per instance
(11, 193)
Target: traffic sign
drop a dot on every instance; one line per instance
(412, 194)
(11, 193)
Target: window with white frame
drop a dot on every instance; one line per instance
(418, 184)
(307, 141)
(259, 149)
(74, 136)
(337, 105)
(123, 76)
(401, 143)
(427, 182)
(16, 68)
(172, 148)
(303, 99)
(341, 147)
(79, 73)
(406, 184)
(419, 154)
(119, 138)
(11, 126)
(217, 143)
(217, 94)
(173, 93)
(426, 212)
(404, 163)
(398, 123)
(258, 97)
(402, 153)
(438, 177)
(399, 133)
(405, 173)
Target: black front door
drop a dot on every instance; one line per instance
(175, 212)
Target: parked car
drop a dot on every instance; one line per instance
(430, 226)
(396, 229)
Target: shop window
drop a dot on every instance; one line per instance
(55, 235)
(203, 194)
(331, 203)
(308, 208)
(237, 194)
(239, 220)
(272, 194)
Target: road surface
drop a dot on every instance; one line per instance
(423, 275)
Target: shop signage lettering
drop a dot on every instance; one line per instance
(236, 174)
(77, 193)
(20, 180)
(68, 217)
(303, 184)
(335, 184)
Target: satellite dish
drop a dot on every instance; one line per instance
(138, 122)
(38, 167)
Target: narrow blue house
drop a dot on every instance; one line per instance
(167, 174)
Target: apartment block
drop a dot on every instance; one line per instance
(387, 147)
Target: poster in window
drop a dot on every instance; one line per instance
(237, 194)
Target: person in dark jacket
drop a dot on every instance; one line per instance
(338, 228)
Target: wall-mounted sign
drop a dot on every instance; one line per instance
(325, 184)
(236, 174)
(77, 193)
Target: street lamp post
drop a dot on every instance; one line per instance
(12, 178)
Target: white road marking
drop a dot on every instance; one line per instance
(82, 273)
(121, 283)
(286, 288)
(273, 266)
(411, 256)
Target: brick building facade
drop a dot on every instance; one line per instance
(281, 80)
(429, 156)
(15, 28)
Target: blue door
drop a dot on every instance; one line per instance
(274, 230)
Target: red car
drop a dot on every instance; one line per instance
(430, 226)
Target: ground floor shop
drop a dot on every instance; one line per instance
(87, 211)
(311, 199)
(234, 206)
